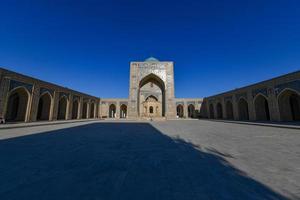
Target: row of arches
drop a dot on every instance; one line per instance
(191, 111)
(18, 107)
(113, 111)
(288, 104)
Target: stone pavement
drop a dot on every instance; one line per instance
(186, 159)
(41, 123)
(292, 125)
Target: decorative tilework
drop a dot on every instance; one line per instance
(263, 91)
(228, 98)
(295, 85)
(61, 94)
(14, 84)
(43, 90)
(240, 95)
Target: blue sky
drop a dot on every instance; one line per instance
(215, 45)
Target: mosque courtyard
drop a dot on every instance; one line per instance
(179, 159)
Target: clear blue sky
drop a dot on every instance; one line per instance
(216, 45)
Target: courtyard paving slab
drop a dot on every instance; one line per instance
(158, 160)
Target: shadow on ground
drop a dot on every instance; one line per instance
(118, 161)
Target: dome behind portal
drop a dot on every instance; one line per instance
(151, 59)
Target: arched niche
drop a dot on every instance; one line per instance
(17, 105)
(151, 86)
(44, 106)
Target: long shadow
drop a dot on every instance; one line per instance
(118, 161)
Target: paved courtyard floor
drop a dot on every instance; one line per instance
(189, 159)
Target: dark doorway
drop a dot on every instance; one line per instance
(261, 108)
(44, 107)
(17, 105)
(229, 110)
(62, 108)
(243, 109)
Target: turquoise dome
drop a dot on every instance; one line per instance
(151, 59)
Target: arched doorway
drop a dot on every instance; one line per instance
(151, 93)
(44, 107)
(219, 111)
(112, 111)
(92, 110)
(17, 105)
(123, 111)
(152, 107)
(261, 108)
(75, 109)
(289, 105)
(211, 111)
(243, 109)
(84, 110)
(180, 111)
(229, 110)
(62, 108)
(191, 111)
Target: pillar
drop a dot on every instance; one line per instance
(117, 109)
(235, 107)
(33, 103)
(80, 105)
(185, 110)
(273, 105)
(251, 108)
(55, 105)
(69, 107)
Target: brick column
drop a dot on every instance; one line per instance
(235, 108)
(117, 110)
(69, 107)
(51, 114)
(273, 105)
(251, 108)
(224, 108)
(55, 105)
(185, 110)
(80, 105)
(34, 103)
(88, 109)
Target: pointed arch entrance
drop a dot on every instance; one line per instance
(261, 106)
(62, 108)
(152, 107)
(151, 92)
(17, 105)
(211, 111)
(84, 110)
(219, 111)
(243, 109)
(229, 110)
(180, 112)
(123, 111)
(44, 107)
(289, 105)
(191, 111)
(75, 109)
(92, 110)
(112, 111)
